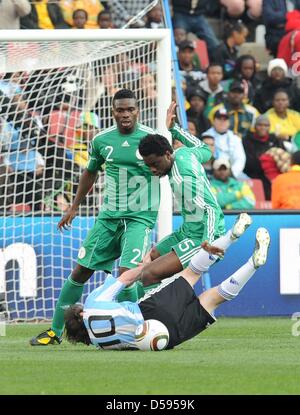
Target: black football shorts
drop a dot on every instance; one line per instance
(175, 304)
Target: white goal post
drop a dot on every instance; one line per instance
(57, 85)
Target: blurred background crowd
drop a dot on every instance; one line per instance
(239, 66)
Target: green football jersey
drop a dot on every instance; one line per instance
(130, 189)
(193, 196)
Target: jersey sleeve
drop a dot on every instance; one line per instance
(203, 153)
(95, 160)
(108, 291)
(186, 138)
(200, 149)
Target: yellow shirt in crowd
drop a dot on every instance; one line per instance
(284, 126)
(44, 21)
(92, 7)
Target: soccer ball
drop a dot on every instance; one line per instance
(152, 335)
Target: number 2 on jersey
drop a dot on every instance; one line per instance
(134, 260)
(110, 150)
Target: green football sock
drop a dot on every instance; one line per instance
(129, 294)
(70, 294)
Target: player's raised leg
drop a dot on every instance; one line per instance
(170, 264)
(231, 287)
(202, 261)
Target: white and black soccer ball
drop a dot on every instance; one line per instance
(152, 335)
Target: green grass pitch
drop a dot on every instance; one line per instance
(234, 356)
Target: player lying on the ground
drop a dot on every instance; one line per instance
(110, 325)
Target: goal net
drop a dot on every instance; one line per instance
(55, 95)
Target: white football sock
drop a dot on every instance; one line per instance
(203, 260)
(231, 287)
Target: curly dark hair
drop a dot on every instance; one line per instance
(80, 10)
(154, 144)
(75, 330)
(233, 26)
(124, 94)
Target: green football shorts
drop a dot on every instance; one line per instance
(110, 239)
(186, 245)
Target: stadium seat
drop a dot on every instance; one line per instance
(263, 204)
(201, 50)
(20, 207)
(258, 190)
(260, 32)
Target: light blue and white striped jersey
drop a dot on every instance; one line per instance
(111, 325)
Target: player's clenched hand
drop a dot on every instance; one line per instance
(67, 219)
(212, 250)
(171, 115)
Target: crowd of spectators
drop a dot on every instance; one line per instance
(248, 115)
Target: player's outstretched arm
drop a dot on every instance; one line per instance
(171, 115)
(130, 276)
(87, 179)
(184, 136)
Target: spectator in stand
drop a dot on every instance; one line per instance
(211, 87)
(242, 116)
(277, 79)
(192, 126)
(226, 53)
(227, 144)
(180, 35)
(274, 17)
(197, 101)
(210, 141)
(230, 193)
(286, 187)
(289, 45)
(245, 72)
(80, 17)
(87, 127)
(26, 167)
(154, 18)
(11, 11)
(104, 20)
(92, 8)
(285, 123)
(236, 8)
(147, 87)
(192, 73)
(10, 85)
(44, 15)
(189, 15)
(256, 144)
